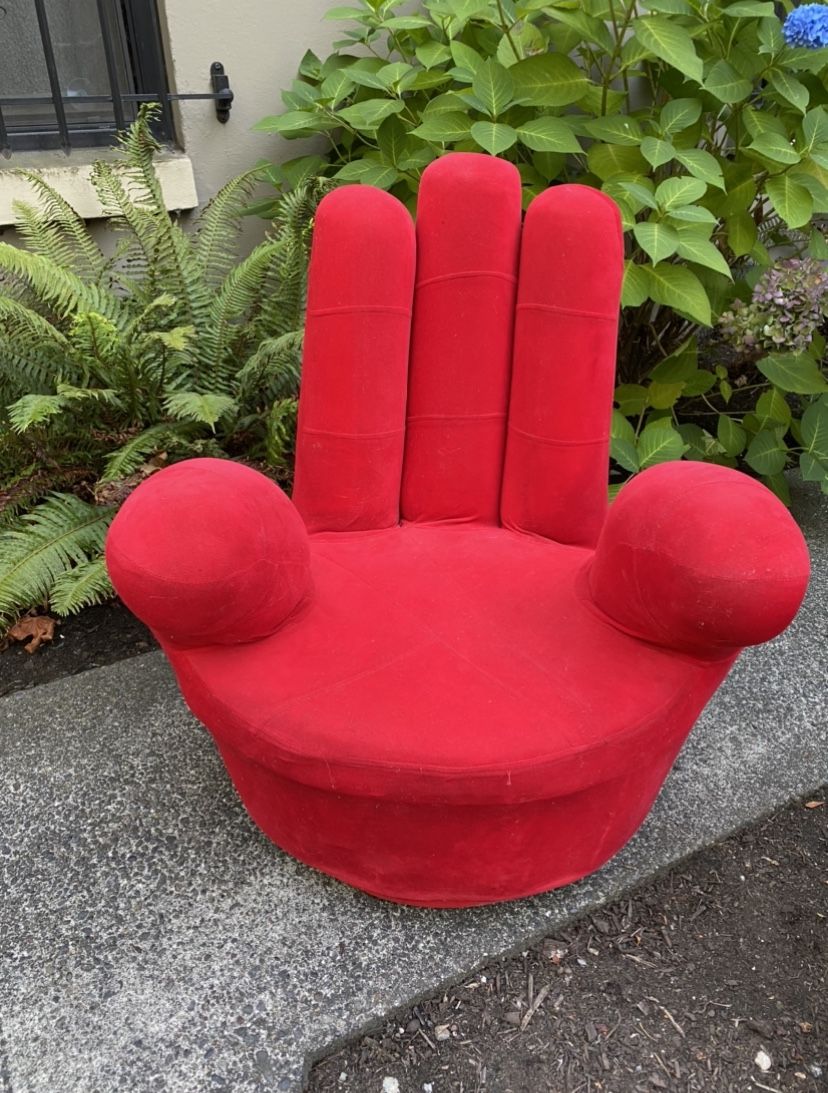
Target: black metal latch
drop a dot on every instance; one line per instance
(221, 93)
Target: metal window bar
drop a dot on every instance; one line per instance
(143, 40)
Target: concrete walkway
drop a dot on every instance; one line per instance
(152, 940)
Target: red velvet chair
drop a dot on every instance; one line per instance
(443, 672)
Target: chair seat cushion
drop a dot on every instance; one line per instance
(447, 663)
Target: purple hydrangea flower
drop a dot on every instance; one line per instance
(807, 26)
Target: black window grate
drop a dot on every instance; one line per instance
(133, 71)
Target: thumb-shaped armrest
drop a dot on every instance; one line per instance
(699, 558)
(209, 552)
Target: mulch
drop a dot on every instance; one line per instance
(714, 979)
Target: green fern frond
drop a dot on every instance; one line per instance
(136, 451)
(204, 408)
(217, 228)
(239, 291)
(281, 431)
(58, 289)
(60, 533)
(31, 410)
(274, 366)
(80, 587)
(86, 256)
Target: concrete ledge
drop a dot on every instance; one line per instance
(152, 940)
(71, 177)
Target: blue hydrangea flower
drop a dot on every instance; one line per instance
(807, 26)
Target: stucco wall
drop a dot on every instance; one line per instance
(260, 43)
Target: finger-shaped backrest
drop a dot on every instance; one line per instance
(468, 236)
(350, 435)
(563, 368)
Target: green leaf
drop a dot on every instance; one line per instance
(701, 165)
(679, 114)
(370, 112)
(814, 427)
(622, 442)
(294, 121)
(659, 443)
(615, 129)
(692, 214)
(550, 79)
(767, 453)
(636, 286)
(726, 84)
(679, 366)
(663, 396)
(369, 173)
(794, 372)
(468, 60)
(659, 240)
(790, 199)
(772, 410)
(432, 53)
(493, 136)
(675, 192)
(790, 89)
(774, 147)
(657, 152)
(741, 233)
(632, 398)
(493, 86)
(778, 484)
(607, 160)
(812, 469)
(815, 128)
(669, 42)
(679, 288)
(444, 128)
(639, 191)
(749, 9)
(548, 134)
(730, 435)
(695, 247)
(393, 140)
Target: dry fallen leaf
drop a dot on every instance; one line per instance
(814, 804)
(32, 630)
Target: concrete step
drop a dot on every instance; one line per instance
(152, 940)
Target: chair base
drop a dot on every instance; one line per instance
(450, 855)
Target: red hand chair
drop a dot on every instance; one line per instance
(444, 673)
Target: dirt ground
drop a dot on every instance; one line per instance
(712, 979)
(96, 636)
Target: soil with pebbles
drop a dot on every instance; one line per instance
(714, 979)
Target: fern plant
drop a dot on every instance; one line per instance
(111, 366)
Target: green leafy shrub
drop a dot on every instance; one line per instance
(762, 415)
(110, 367)
(707, 129)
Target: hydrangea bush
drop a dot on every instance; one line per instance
(787, 308)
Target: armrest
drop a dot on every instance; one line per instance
(699, 558)
(208, 551)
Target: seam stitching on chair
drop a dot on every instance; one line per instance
(358, 309)
(567, 311)
(557, 443)
(497, 416)
(353, 436)
(500, 274)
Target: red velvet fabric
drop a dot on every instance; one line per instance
(467, 683)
